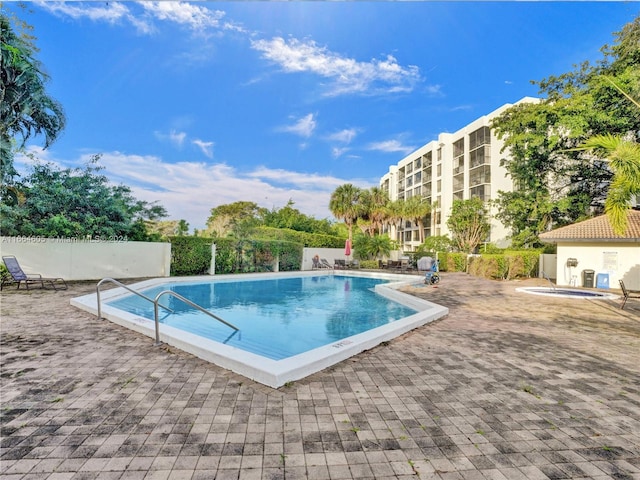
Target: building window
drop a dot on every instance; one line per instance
(458, 182)
(480, 156)
(480, 175)
(439, 170)
(483, 192)
(458, 148)
(427, 159)
(480, 137)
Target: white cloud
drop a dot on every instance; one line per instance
(183, 13)
(176, 138)
(189, 190)
(303, 127)
(194, 17)
(337, 152)
(391, 146)
(348, 75)
(206, 147)
(344, 136)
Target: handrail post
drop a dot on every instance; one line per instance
(99, 303)
(122, 285)
(188, 302)
(157, 321)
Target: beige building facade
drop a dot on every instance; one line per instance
(458, 165)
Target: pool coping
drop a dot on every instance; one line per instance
(273, 373)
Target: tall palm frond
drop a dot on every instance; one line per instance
(624, 160)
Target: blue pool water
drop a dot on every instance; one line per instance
(277, 318)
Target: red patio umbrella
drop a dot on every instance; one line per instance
(347, 248)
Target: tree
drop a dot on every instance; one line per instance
(554, 182)
(468, 223)
(435, 243)
(624, 161)
(26, 109)
(77, 203)
(372, 247)
(393, 212)
(168, 228)
(234, 219)
(373, 212)
(345, 204)
(416, 208)
(291, 218)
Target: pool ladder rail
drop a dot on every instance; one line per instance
(157, 305)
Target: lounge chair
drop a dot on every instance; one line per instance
(18, 276)
(627, 294)
(340, 264)
(319, 263)
(324, 263)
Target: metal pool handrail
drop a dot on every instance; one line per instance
(188, 302)
(126, 288)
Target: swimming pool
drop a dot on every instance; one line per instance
(290, 324)
(567, 293)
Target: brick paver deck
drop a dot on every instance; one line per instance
(508, 386)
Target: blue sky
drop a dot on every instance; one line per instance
(200, 104)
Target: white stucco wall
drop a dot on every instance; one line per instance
(89, 260)
(330, 254)
(621, 261)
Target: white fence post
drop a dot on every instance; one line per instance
(212, 268)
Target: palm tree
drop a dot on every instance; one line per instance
(624, 160)
(415, 209)
(345, 204)
(393, 212)
(377, 202)
(25, 107)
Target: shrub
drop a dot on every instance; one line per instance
(369, 264)
(5, 276)
(190, 255)
(511, 264)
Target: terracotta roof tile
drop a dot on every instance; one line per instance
(597, 228)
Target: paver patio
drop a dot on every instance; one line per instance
(508, 386)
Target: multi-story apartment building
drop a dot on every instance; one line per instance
(457, 165)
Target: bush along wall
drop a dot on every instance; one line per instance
(192, 255)
(452, 261)
(511, 264)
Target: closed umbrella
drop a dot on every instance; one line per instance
(347, 248)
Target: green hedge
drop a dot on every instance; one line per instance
(192, 255)
(452, 261)
(511, 264)
(369, 264)
(311, 240)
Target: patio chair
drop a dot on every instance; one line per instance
(324, 263)
(627, 294)
(18, 276)
(340, 264)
